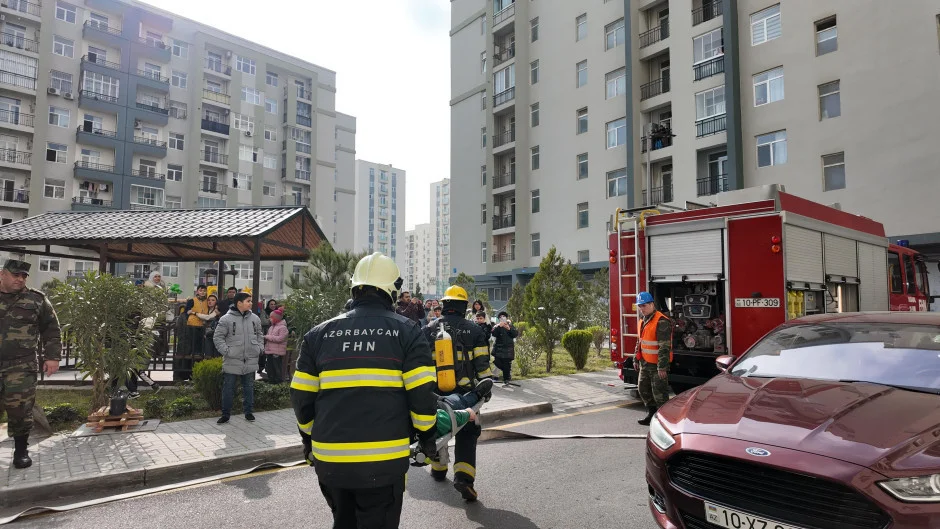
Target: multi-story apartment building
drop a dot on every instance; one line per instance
(440, 218)
(380, 211)
(419, 269)
(344, 193)
(140, 108)
(730, 93)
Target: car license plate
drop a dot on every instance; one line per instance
(731, 519)
(756, 303)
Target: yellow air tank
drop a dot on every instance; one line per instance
(444, 360)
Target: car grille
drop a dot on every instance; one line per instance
(781, 495)
(692, 522)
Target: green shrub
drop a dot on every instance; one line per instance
(598, 337)
(528, 351)
(64, 413)
(181, 407)
(155, 407)
(207, 380)
(271, 396)
(577, 343)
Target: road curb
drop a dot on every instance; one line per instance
(514, 413)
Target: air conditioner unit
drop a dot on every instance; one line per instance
(53, 91)
(68, 95)
(248, 133)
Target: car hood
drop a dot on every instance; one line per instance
(886, 429)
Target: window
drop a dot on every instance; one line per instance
(616, 133)
(178, 109)
(534, 71)
(59, 117)
(61, 81)
(48, 264)
(583, 220)
(99, 21)
(708, 46)
(101, 84)
(174, 173)
(483, 252)
(56, 152)
(53, 188)
(483, 175)
(483, 213)
(772, 149)
(176, 141)
(66, 12)
(827, 36)
(833, 171)
(270, 161)
(615, 34)
(173, 203)
(582, 166)
(535, 157)
(504, 79)
(248, 153)
(243, 122)
(180, 49)
(91, 156)
(768, 87)
(245, 65)
(270, 105)
(534, 28)
(267, 273)
(830, 104)
(534, 114)
(270, 79)
(536, 243)
(581, 27)
(250, 95)
(710, 103)
(581, 73)
(584, 256)
(269, 188)
(62, 46)
(270, 134)
(178, 79)
(483, 61)
(535, 201)
(616, 82)
(241, 181)
(147, 167)
(765, 25)
(170, 269)
(582, 121)
(617, 183)
(894, 268)
(206, 202)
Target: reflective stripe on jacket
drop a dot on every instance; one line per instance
(649, 343)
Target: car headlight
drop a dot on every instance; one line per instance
(660, 436)
(915, 489)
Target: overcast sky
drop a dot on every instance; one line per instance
(392, 64)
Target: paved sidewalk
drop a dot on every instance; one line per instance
(69, 467)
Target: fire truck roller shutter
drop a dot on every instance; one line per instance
(804, 251)
(697, 255)
(841, 256)
(873, 274)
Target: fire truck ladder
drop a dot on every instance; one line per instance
(628, 286)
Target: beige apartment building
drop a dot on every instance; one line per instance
(114, 104)
(562, 112)
(420, 254)
(440, 219)
(379, 212)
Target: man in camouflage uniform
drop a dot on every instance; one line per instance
(26, 318)
(653, 356)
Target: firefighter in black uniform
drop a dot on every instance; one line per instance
(364, 386)
(472, 364)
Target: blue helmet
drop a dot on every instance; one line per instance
(643, 298)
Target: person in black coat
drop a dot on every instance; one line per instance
(504, 349)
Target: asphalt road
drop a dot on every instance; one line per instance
(531, 484)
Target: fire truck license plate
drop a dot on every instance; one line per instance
(724, 517)
(759, 303)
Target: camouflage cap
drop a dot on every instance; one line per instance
(17, 267)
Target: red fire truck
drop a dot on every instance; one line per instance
(728, 274)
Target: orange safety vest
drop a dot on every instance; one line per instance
(201, 307)
(649, 345)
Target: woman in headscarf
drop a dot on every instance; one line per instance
(156, 281)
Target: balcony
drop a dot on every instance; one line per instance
(712, 185)
(22, 7)
(144, 140)
(503, 55)
(654, 88)
(14, 197)
(505, 14)
(96, 101)
(294, 200)
(90, 134)
(20, 43)
(148, 174)
(709, 10)
(504, 257)
(148, 146)
(303, 93)
(306, 121)
(215, 65)
(19, 82)
(504, 97)
(153, 108)
(660, 195)
(216, 97)
(216, 124)
(14, 158)
(213, 157)
(91, 204)
(661, 139)
(711, 67)
(153, 76)
(87, 170)
(658, 33)
(103, 33)
(503, 180)
(209, 186)
(16, 120)
(154, 49)
(709, 126)
(93, 58)
(504, 137)
(145, 206)
(501, 222)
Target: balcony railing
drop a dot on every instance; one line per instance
(18, 80)
(306, 121)
(714, 125)
(217, 97)
(104, 28)
(712, 185)
(95, 166)
(709, 68)
(504, 14)
(654, 88)
(90, 128)
(20, 43)
(504, 55)
(88, 201)
(660, 195)
(145, 206)
(16, 118)
(95, 59)
(152, 42)
(14, 156)
(294, 200)
(212, 187)
(16, 196)
(658, 33)
(155, 76)
(503, 180)
(215, 124)
(659, 141)
(504, 97)
(217, 66)
(153, 108)
(24, 7)
(300, 174)
(147, 174)
(709, 10)
(100, 97)
(504, 257)
(504, 221)
(504, 137)
(214, 157)
(145, 140)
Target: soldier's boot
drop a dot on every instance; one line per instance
(20, 453)
(483, 389)
(645, 421)
(465, 488)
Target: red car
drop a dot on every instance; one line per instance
(828, 422)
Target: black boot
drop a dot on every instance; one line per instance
(484, 388)
(465, 488)
(645, 421)
(20, 453)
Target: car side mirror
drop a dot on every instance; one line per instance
(724, 362)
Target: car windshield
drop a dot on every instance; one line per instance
(890, 354)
